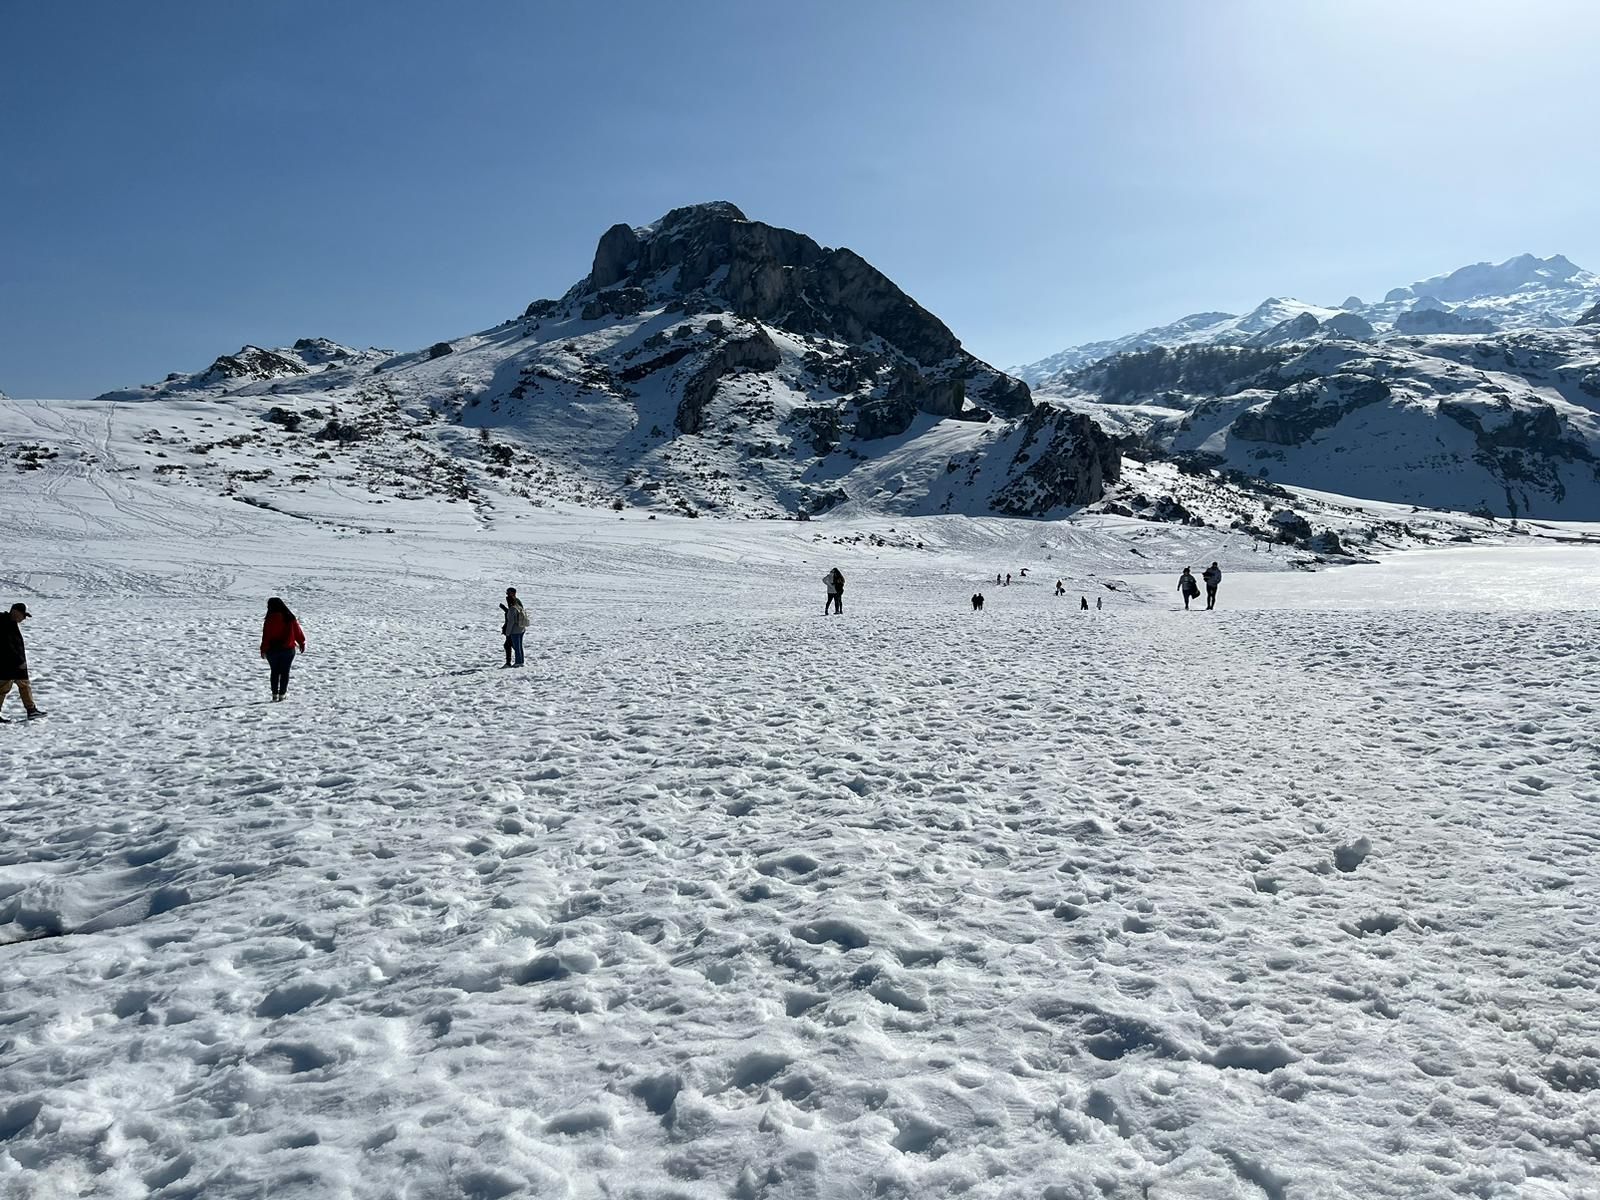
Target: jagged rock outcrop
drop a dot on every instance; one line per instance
(754, 351)
(1348, 325)
(251, 362)
(1292, 416)
(1065, 460)
(617, 251)
(711, 256)
(1521, 444)
(1591, 317)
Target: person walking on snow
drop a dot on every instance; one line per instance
(14, 660)
(1083, 603)
(1213, 576)
(833, 583)
(1187, 587)
(1061, 588)
(514, 626)
(280, 636)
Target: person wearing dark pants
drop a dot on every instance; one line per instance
(1213, 577)
(1187, 587)
(833, 583)
(514, 626)
(280, 636)
(14, 660)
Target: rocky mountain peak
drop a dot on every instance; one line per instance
(712, 258)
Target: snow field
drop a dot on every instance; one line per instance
(719, 898)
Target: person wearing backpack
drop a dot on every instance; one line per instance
(280, 635)
(1187, 587)
(833, 584)
(514, 626)
(1213, 577)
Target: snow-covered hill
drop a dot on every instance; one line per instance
(1524, 292)
(707, 364)
(1508, 424)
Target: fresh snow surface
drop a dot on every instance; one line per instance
(720, 898)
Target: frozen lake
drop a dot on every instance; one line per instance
(1517, 578)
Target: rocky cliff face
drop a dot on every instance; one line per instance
(1065, 459)
(712, 258)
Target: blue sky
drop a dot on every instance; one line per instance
(179, 178)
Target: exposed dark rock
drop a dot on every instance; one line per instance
(785, 279)
(252, 362)
(1522, 445)
(1169, 509)
(1289, 525)
(1298, 411)
(619, 302)
(1438, 320)
(1064, 460)
(1194, 370)
(1591, 317)
(440, 349)
(754, 351)
(617, 251)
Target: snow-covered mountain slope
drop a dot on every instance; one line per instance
(708, 364)
(1508, 424)
(1524, 292)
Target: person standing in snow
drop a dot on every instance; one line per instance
(14, 660)
(1061, 588)
(1187, 587)
(514, 626)
(280, 636)
(833, 583)
(977, 601)
(1008, 578)
(1099, 603)
(1083, 603)
(1213, 576)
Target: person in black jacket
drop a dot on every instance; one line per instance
(833, 585)
(14, 660)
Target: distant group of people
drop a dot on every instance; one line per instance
(282, 638)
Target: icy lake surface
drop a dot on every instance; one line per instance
(718, 898)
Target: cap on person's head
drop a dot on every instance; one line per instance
(20, 607)
(511, 591)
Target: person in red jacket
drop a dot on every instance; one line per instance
(280, 635)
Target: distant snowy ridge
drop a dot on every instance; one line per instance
(1506, 425)
(1525, 292)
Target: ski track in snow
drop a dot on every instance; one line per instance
(1032, 902)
